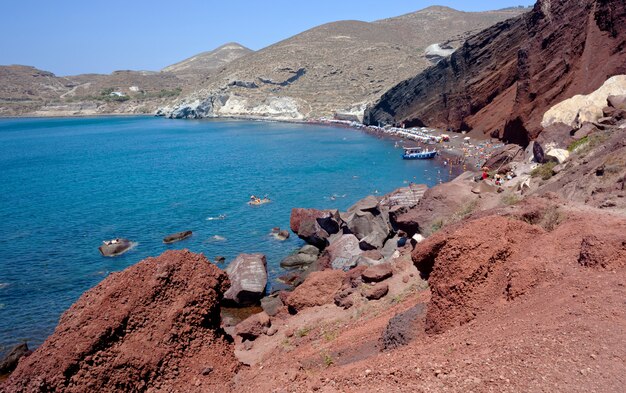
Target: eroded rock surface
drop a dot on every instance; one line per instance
(248, 278)
(503, 79)
(154, 326)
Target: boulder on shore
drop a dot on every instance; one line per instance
(503, 156)
(344, 252)
(315, 226)
(408, 222)
(375, 292)
(318, 289)
(304, 257)
(368, 220)
(271, 305)
(253, 326)
(248, 279)
(377, 273)
(9, 362)
(176, 237)
(151, 327)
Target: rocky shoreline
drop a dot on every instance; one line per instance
(426, 267)
(510, 277)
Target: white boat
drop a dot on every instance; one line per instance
(418, 153)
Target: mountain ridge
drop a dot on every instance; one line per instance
(346, 64)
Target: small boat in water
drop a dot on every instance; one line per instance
(418, 153)
(115, 247)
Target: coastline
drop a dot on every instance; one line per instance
(454, 155)
(327, 133)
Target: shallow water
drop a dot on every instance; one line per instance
(68, 184)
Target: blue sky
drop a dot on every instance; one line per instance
(70, 37)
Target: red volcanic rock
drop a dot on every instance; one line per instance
(318, 289)
(495, 259)
(438, 203)
(152, 326)
(506, 77)
(253, 326)
(608, 251)
(503, 156)
(315, 226)
(375, 292)
(353, 276)
(408, 222)
(377, 273)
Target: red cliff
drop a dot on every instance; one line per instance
(505, 78)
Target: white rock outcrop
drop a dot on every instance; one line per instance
(582, 109)
(224, 105)
(557, 155)
(435, 52)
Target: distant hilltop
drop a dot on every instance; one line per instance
(26, 90)
(333, 70)
(206, 62)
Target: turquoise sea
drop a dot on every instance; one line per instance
(68, 184)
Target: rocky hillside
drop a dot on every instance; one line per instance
(503, 80)
(201, 65)
(508, 284)
(26, 90)
(120, 350)
(334, 68)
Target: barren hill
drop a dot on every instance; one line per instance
(336, 67)
(202, 64)
(26, 90)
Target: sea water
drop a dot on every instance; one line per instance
(68, 184)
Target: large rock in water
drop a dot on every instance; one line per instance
(151, 327)
(248, 279)
(304, 257)
(368, 220)
(115, 247)
(176, 237)
(9, 362)
(315, 226)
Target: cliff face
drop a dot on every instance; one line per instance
(503, 79)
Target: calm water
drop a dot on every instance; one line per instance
(68, 184)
